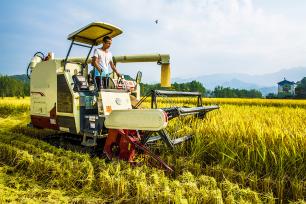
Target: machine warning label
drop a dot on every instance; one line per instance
(108, 109)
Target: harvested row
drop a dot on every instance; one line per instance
(47, 168)
(112, 182)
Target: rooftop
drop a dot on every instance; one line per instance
(285, 81)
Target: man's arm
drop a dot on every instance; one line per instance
(113, 66)
(96, 64)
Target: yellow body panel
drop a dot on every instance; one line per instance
(165, 80)
(93, 33)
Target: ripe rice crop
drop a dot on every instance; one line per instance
(249, 151)
(257, 102)
(12, 105)
(169, 101)
(261, 145)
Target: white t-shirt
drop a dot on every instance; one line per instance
(104, 58)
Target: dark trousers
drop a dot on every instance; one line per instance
(101, 84)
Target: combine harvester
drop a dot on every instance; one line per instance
(65, 97)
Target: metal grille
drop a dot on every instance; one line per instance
(64, 96)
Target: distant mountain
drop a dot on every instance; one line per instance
(238, 84)
(293, 74)
(22, 77)
(266, 83)
(266, 90)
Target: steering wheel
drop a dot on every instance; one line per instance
(37, 54)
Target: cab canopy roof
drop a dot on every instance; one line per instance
(93, 33)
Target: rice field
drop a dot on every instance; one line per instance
(248, 151)
(293, 103)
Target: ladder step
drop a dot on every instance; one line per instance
(89, 143)
(89, 140)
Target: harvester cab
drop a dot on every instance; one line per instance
(65, 97)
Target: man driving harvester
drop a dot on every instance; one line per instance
(102, 58)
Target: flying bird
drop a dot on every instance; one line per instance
(156, 21)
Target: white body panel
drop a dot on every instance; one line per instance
(115, 101)
(43, 88)
(137, 119)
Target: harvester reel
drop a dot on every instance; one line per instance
(182, 108)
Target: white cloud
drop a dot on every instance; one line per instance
(202, 36)
(226, 35)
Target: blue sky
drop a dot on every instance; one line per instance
(201, 36)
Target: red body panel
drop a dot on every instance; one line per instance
(45, 122)
(119, 144)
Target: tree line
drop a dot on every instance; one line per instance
(195, 86)
(227, 92)
(10, 86)
(300, 89)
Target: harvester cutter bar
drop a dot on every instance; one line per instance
(173, 113)
(181, 139)
(163, 135)
(183, 111)
(174, 142)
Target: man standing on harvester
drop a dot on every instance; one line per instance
(102, 59)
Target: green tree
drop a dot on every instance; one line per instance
(13, 87)
(221, 92)
(193, 86)
(300, 89)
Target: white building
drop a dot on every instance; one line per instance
(286, 87)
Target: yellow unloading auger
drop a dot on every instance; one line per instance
(64, 97)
